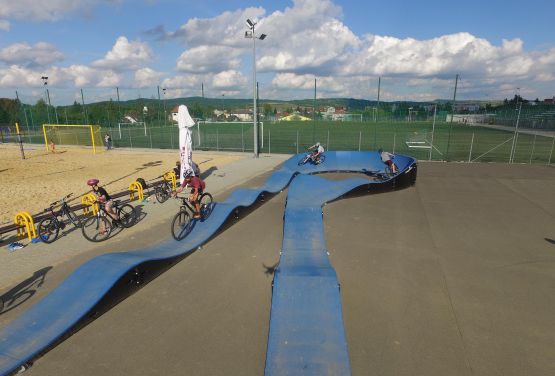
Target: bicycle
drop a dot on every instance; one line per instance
(99, 227)
(309, 157)
(163, 191)
(49, 227)
(182, 221)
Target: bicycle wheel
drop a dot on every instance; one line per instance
(48, 230)
(127, 215)
(163, 192)
(303, 160)
(96, 229)
(181, 225)
(73, 217)
(205, 204)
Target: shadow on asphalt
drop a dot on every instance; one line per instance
(208, 172)
(23, 291)
(550, 240)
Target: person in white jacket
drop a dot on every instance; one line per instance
(184, 123)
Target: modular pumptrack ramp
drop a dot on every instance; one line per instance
(306, 333)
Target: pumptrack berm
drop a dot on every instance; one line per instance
(306, 333)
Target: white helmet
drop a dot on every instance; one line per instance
(318, 144)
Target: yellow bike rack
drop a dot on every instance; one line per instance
(90, 201)
(25, 220)
(136, 187)
(170, 176)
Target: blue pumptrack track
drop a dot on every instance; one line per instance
(306, 326)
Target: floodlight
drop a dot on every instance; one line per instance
(262, 36)
(248, 34)
(250, 23)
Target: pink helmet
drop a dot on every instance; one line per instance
(92, 181)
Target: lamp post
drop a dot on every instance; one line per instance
(45, 82)
(250, 34)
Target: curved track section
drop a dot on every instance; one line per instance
(59, 313)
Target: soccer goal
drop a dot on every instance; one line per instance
(137, 124)
(419, 140)
(72, 134)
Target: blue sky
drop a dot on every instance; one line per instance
(416, 47)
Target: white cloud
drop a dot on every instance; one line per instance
(4, 25)
(229, 80)
(29, 55)
(208, 59)
(146, 77)
(126, 55)
(48, 10)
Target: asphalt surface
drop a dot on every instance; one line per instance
(454, 276)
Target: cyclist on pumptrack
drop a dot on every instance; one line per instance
(197, 187)
(317, 151)
(387, 159)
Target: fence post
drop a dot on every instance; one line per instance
(150, 135)
(297, 142)
(328, 143)
(242, 139)
(130, 142)
(394, 139)
(471, 146)
(359, 139)
(217, 139)
(171, 139)
(533, 147)
(551, 153)
(269, 142)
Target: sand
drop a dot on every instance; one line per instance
(32, 183)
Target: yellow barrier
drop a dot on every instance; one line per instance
(136, 187)
(26, 220)
(89, 200)
(170, 176)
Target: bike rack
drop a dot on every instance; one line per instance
(25, 220)
(170, 176)
(136, 187)
(89, 200)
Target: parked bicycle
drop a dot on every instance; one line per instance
(183, 220)
(99, 227)
(163, 191)
(49, 227)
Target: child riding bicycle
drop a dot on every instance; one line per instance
(387, 159)
(197, 187)
(317, 151)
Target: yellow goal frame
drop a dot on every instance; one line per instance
(44, 126)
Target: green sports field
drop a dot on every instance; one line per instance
(451, 141)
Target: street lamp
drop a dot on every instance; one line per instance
(250, 34)
(45, 82)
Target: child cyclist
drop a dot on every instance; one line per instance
(317, 151)
(387, 158)
(197, 187)
(103, 198)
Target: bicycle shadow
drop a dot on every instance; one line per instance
(23, 291)
(141, 214)
(552, 241)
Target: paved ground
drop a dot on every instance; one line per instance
(454, 276)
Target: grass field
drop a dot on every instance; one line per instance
(451, 141)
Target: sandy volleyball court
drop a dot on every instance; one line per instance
(43, 177)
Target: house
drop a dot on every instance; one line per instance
(467, 107)
(549, 101)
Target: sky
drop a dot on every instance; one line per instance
(415, 49)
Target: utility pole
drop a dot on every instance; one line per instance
(84, 108)
(314, 116)
(452, 115)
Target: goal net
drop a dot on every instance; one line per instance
(136, 125)
(73, 134)
(419, 140)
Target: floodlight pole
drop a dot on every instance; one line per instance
(254, 92)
